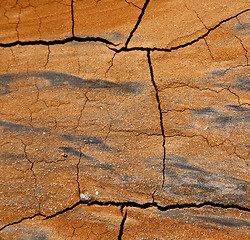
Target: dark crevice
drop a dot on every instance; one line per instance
(137, 23)
(209, 30)
(125, 48)
(21, 220)
(58, 42)
(78, 173)
(149, 205)
(66, 209)
(72, 18)
(122, 223)
(161, 116)
(133, 204)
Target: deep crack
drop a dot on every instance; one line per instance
(122, 223)
(133, 204)
(149, 205)
(137, 23)
(174, 48)
(161, 116)
(21, 220)
(72, 18)
(58, 42)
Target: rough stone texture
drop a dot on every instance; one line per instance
(124, 119)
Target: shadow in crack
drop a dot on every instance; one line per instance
(64, 79)
(89, 140)
(243, 84)
(227, 222)
(237, 108)
(183, 178)
(74, 152)
(15, 127)
(222, 116)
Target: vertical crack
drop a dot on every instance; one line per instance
(72, 18)
(40, 23)
(78, 173)
(210, 52)
(17, 25)
(80, 116)
(34, 175)
(111, 65)
(47, 60)
(137, 23)
(240, 23)
(122, 223)
(161, 115)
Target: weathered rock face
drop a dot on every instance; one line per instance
(124, 119)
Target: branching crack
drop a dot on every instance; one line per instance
(174, 48)
(161, 116)
(149, 205)
(136, 205)
(31, 169)
(183, 85)
(205, 40)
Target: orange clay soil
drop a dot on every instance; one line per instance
(124, 119)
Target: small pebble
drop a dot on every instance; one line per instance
(85, 197)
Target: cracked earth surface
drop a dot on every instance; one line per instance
(124, 119)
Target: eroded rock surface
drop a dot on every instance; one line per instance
(124, 119)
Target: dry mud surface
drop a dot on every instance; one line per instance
(124, 119)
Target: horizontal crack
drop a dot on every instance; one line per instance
(133, 204)
(150, 204)
(58, 42)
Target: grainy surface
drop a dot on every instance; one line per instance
(124, 119)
